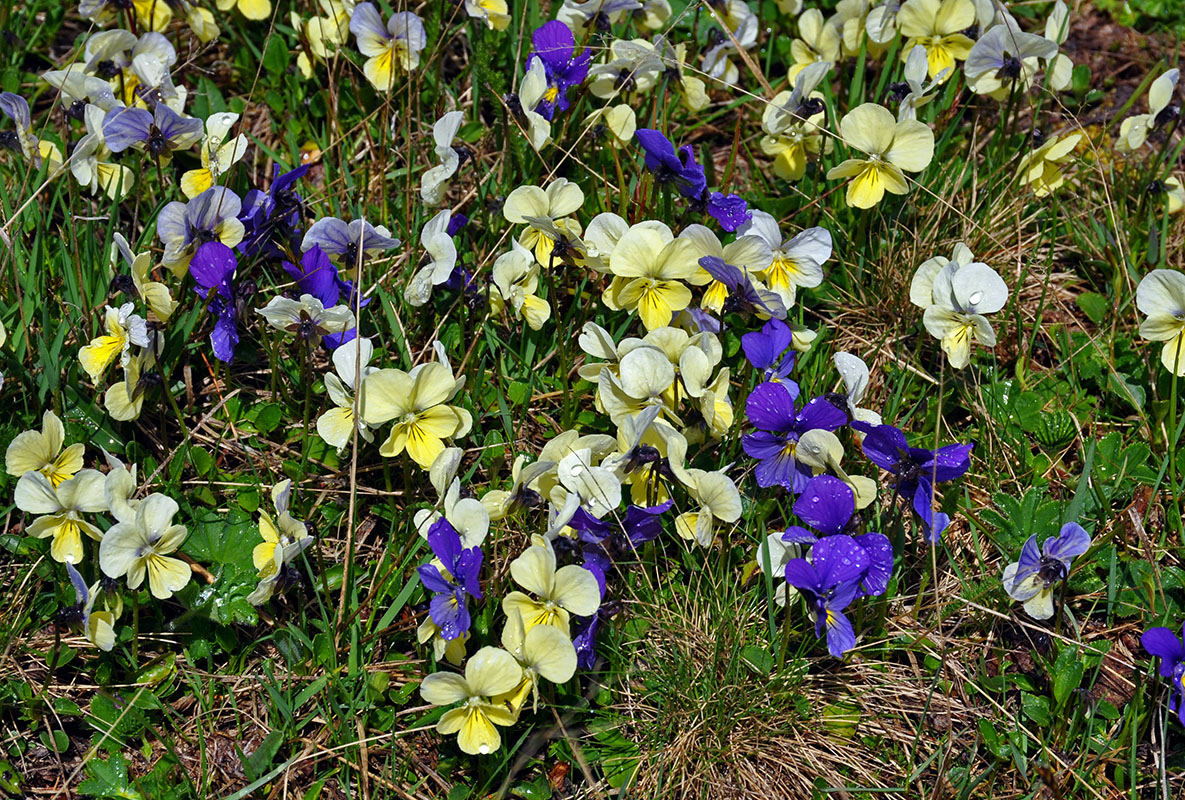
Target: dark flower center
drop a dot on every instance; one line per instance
(1011, 68)
(1052, 571)
(157, 143)
(106, 69)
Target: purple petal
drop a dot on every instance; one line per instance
(1029, 562)
(721, 270)
(840, 636)
(451, 613)
(797, 535)
(880, 563)
(731, 211)
(124, 127)
(770, 407)
(1071, 542)
(554, 43)
(826, 504)
(225, 336)
(316, 275)
(445, 543)
(882, 444)
(432, 579)
(1165, 645)
(212, 267)
(328, 233)
(468, 572)
(839, 560)
(800, 574)
(819, 414)
(950, 462)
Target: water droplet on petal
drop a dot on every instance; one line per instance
(975, 298)
(483, 749)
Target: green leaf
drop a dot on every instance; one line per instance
(276, 57)
(1095, 306)
(1035, 708)
(223, 543)
(1067, 674)
(108, 779)
(256, 764)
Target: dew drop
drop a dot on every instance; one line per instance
(483, 749)
(975, 298)
(577, 469)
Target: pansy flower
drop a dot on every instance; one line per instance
(1161, 111)
(679, 170)
(213, 269)
(598, 15)
(490, 672)
(650, 266)
(159, 132)
(893, 148)
(915, 470)
(399, 42)
(97, 626)
(123, 329)
(492, 12)
(140, 548)
(1032, 579)
(1168, 647)
(1005, 59)
(41, 451)
(307, 318)
(212, 216)
(771, 351)
(1041, 168)
(435, 181)
(569, 590)
(796, 262)
(544, 654)
(219, 154)
(1161, 298)
(60, 509)
(342, 241)
(251, 9)
(272, 216)
(829, 582)
(554, 46)
(16, 108)
(938, 26)
(453, 582)
(962, 296)
(771, 409)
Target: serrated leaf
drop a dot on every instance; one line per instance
(109, 779)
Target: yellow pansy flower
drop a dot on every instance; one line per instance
(893, 148)
(571, 589)
(650, 266)
(490, 672)
(140, 548)
(218, 154)
(251, 9)
(937, 25)
(533, 206)
(398, 43)
(62, 509)
(41, 451)
(123, 330)
(1042, 168)
(1161, 297)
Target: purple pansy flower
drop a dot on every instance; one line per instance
(771, 409)
(554, 45)
(449, 607)
(743, 295)
(160, 132)
(769, 350)
(1168, 647)
(828, 583)
(826, 504)
(1032, 578)
(679, 170)
(273, 216)
(916, 470)
(343, 240)
(213, 269)
(730, 210)
(584, 639)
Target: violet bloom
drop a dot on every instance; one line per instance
(451, 590)
(343, 240)
(606, 542)
(213, 269)
(273, 217)
(584, 639)
(770, 351)
(743, 295)
(16, 108)
(827, 504)
(828, 583)
(669, 168)
(771, 409)
(554, 46)
(916, 470)
(212, 216)
(730, 210)
(1165, 645)
(160, 132)
(1032, 578)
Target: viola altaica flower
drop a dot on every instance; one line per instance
(213, 269)
(336, 426)
(650, 266)
(41, 451)
(1161, 298)
(97, 626)
(791, 123)
(855, 376)
(1161, 111)
(544, 653)
(679, 170)
(795, 262)
(531, 92)
(417, 402)
(962, 296)
(1168, 647)
(306, 318)
(541, 211)
(516, 280)
(893, 148)
(1005, 60)
(742, 23)
(123, 330)
(251, 9)
(817, 43)
(562, 593)
(919, 93)
(829, 582)
(620, 121)
(141, 547)
(554, 46)
(219, 154)
(718, 500)
(90, 162)
(158, 133)
(22, 138)
(284, 538)
(1033, 578)
(61, 509)
(1042, 168)
(938, 26)
(771, 409)
(343, 241)
(493, 12)
(212, 216)
(400, 42)
(434, 183)
(915, 470)
(491, 672)
(156, 295)
(633, 67)
(452, 579)
(124, 400)
(732, 271)
(579, 15)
